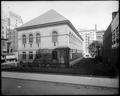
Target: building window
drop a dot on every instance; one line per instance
(38, 55)
(24, 55)
(24, 39)
(114, 41)
(54, 37)
(30, 38)
(54, 55)
(54, 43)
(117, 32)
(117, 40)
(3, 43)
(30, 55)
(38, 38)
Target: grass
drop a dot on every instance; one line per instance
(95, 67)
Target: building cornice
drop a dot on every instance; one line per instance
(50, 24)
(40, 25)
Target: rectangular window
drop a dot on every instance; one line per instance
(30, 55)
(54, 55)
(24, 55)
(3, 43)
(114, 41)
(117, 31)
(117, 40)
(54, 43)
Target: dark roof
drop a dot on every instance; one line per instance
(47, 17)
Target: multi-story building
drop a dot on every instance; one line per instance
(115, 30)
(111, 41)
(14, 21)
(89, 36)
(115, 38)
(10, 21)
(99, 35)
(49, 31)
(3, 35)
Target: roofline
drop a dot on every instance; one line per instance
(50, 24)
(87, 30)
(70, 24)
(40, 25)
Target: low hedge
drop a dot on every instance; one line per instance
(70, 71)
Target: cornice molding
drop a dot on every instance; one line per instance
(50, 24)
(41, 25)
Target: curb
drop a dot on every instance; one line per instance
(92, 81)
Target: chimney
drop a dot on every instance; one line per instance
(113, 15)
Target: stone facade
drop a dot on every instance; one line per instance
(66, 37)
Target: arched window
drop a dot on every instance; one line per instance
(54, 37)
(30, 38)
(37, 38)
(24, 39)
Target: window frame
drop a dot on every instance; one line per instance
(24, 55)
(24, 39)
(30, 55)
(30, 38)
(54, 36)
(54, 54)
(38, 38)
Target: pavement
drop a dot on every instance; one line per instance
(75, 61)
(13, 86)
(80, 80)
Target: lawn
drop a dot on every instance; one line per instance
(95, 67)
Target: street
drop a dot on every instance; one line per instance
(12, 86)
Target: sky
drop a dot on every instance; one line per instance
(82, 14)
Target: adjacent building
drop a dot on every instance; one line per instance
(14, 21)
(3, 34)
(99, 35)
(3, 37)
(115, 30)
(10, 21)
(115, 38)
(111, 41)
(52, 33)
(89, 36)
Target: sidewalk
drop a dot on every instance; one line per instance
(92, 81)
(75, 61)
